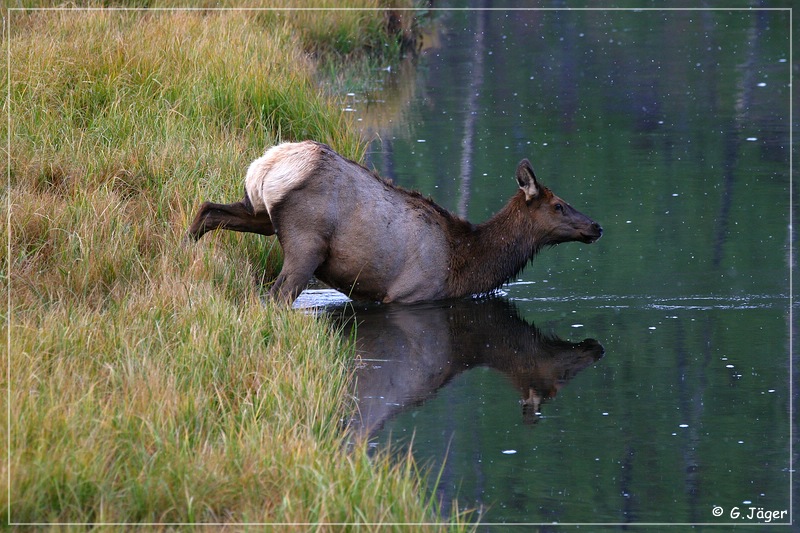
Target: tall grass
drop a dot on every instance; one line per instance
(149, 381)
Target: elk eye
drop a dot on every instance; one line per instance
(559, 208)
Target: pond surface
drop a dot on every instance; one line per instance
(641, 379)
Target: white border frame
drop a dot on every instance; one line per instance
(791, 261)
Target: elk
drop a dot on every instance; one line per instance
(372, 240)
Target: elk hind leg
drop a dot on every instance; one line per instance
(299, 264)
(238, 216)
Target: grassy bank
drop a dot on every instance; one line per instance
(150, 381)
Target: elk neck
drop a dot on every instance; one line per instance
(485, 256)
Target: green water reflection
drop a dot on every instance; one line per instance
(671, 129)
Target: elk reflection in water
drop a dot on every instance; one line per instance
(406, 353)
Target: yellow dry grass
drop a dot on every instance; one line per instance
(149, 381)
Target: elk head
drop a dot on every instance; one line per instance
(555, 219)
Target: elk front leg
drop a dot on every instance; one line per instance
(238, 216)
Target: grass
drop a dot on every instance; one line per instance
(149, 381)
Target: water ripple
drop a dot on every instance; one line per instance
(643, 301)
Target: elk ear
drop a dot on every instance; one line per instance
(527, 180)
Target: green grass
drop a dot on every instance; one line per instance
(150, 381)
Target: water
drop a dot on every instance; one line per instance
(671, 129)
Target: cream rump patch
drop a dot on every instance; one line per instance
(280, 170)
